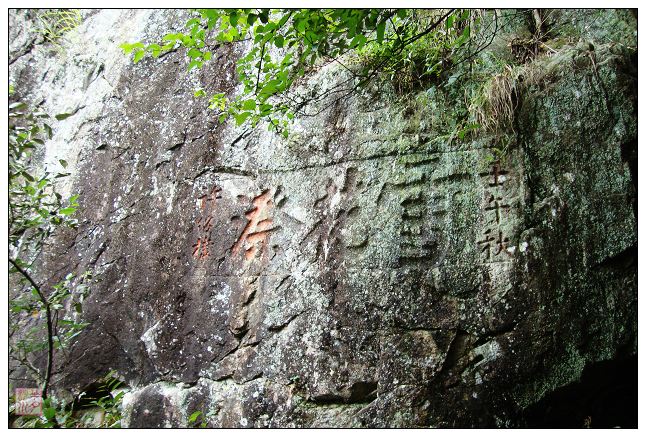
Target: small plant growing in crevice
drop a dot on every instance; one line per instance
(196, 420)
(100, 406)
(54, 23)
(495, 104)
(107, 398)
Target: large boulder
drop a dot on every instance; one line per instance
(366, 271)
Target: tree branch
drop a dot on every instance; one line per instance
(262, 55)
(48, 314)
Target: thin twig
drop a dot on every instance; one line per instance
(262, 54)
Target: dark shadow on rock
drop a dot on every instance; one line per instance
(605, 397)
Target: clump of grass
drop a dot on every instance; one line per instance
(54, 23)
(495, 104)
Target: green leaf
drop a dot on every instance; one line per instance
(270, 87)
(466, 33)
(67, 211)
(138, 56)
(212, 16)
(192, 22)
(241, 118)
(194, 53)
(194, 416)
(218, 101)
(63, 163)
(27, 176)
(126, 47)
(154, 49)
(173, 37)
(279, 41)
(283, 20)
(449, 21)
(265, 109)
(194, 64)
(381, 28)
(62, 116)
(18, 105)
(49, 413)
(249, 105)
(233, 18)
(270, 27)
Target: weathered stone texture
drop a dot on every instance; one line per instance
(362, 272)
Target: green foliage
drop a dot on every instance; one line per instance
(35, 207)
(284, 45)
(102, 412)
(40, 322)
(54, 23)
(415, 56)
(110, 404)
(66, 298)
(196, 420)
(56, 414)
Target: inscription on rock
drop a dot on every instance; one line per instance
(254, 237)
(204, 223)
(422, 215)
(494, 243)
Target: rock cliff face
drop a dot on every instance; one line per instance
(367, 271)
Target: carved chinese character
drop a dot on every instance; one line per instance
(496, 204)
(205, 223)
(486, 243)
(254, 236)
(498, 174)
(500, 243)
(201, 248)
(211, 197)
